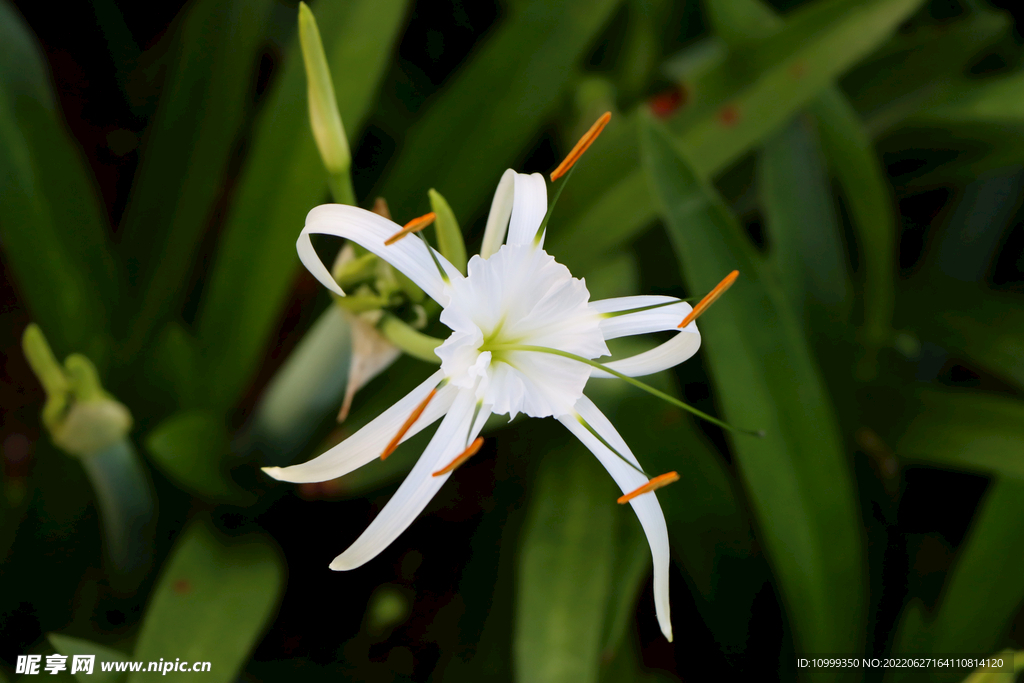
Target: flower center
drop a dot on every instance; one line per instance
(520, 296)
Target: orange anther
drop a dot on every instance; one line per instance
(711, 298)
(462, 457)
(581, 146)
(415, 225)
(656, 483)
(408, 423)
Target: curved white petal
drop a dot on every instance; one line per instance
(679, 348)
(528, 208)
(646, 506)
(369, 442)
(663, 317)
(409, 255)
(450, 439)
(501, 211)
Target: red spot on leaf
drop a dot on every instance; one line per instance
(182, 587)
(798, 69)
(728, 115)
(666, 103)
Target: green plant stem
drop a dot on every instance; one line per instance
(341, 188)
(412, 342)
(126, 506)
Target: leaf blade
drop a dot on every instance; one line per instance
(796, 475)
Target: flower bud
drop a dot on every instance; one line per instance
(83, 419)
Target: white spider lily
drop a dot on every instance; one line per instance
(516, 306)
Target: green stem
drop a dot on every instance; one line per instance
(635, 382)
(127, 507)
(341, 188)
(412, 342)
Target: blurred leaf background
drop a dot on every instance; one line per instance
(861, 162)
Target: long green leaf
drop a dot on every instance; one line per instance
(918, 68)
(52, 226)
(707, 526)
(806, 242)
(186, 151)
(796, 476)
(211, 604)
(982, 593)
(983, 327)
(995, 100)
(734, 104)
(855, 163)
(565, 570)
(189, 447)
(282, 180)
(852, 158)
(817, 44)
(976, 432)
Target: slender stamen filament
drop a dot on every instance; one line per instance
(711, 298)
(415, 225)
(656, 483)
(626, 378)
(393, 444)
(581, 146)
(462, 457)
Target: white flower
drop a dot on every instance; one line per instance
(523, 330)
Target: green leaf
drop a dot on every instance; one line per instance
(630, 571)
(976, 432)
(565, 570)
(985, 327)
(734, 108)
(919, 67)
(796, 475)
(742, 22)
(735, 102)
(523, 68)
(66, 645)
(994, 100)
(211, 604)
(52, 224)
(173, 365)
(186, 151)
(282, 179)
(190, 448)
(985, 588)
(853, 160)
(806, 241)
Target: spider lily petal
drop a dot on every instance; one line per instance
(411, 256)
(679, 348)
(528, 208)
(367, 444)
(498, 217)
(628, 477)
(419, 486)
(639, 314)
(652, 314)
